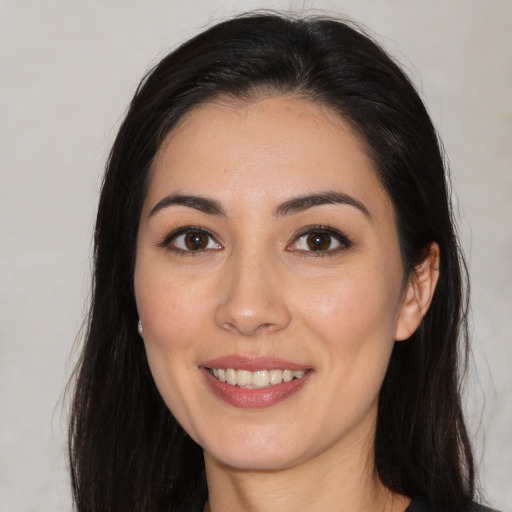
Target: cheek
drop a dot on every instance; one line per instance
(174, 316)
(172, 311)
(354, 318)
(353, 310)
(354, 322)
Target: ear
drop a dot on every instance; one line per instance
(418, 294)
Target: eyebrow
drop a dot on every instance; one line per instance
(202, 204)
(294, 205)
(301, 203)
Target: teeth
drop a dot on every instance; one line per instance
(261, 379)
(243, 378)
(257, 379)
(231, 376)
(276, 377)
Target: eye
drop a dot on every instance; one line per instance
(321, 240)
(190, 239)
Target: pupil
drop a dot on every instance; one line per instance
(319, 241)
(195, 241)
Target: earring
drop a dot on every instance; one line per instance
(139, 328)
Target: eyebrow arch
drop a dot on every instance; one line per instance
(301, 203)
(202, 204)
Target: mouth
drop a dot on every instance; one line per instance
(254, 383)
(259, 379)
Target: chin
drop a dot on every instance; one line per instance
(256, 452)
(251, 461)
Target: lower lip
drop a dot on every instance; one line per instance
(254, 398)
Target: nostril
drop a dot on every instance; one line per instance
(268, 327)
(250, 329)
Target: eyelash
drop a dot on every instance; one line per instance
(185, 230)
(343, 241)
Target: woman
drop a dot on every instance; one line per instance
(278, 313)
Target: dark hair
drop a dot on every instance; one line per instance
(127, 451)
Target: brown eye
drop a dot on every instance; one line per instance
(194, 241)
(319, 241)
(189, 240)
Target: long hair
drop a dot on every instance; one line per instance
(127, 452)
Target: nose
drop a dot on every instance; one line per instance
(252, 301)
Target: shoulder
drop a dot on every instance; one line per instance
(475, 507)
(423, 506)
(481, 508)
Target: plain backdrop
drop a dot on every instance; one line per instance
(67, 72)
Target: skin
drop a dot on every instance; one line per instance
(257, 289)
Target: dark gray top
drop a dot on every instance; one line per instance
(422, 506)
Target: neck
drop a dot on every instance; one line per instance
(345, 482)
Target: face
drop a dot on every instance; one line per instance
(268, 281)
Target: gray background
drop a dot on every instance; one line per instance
(67, 72)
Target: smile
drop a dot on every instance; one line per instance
(254, 383)
(258, 379)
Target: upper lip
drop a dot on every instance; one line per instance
(253, 363)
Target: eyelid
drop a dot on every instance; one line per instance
(339, 236)
(166, 242)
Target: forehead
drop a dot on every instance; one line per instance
(266, 147)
